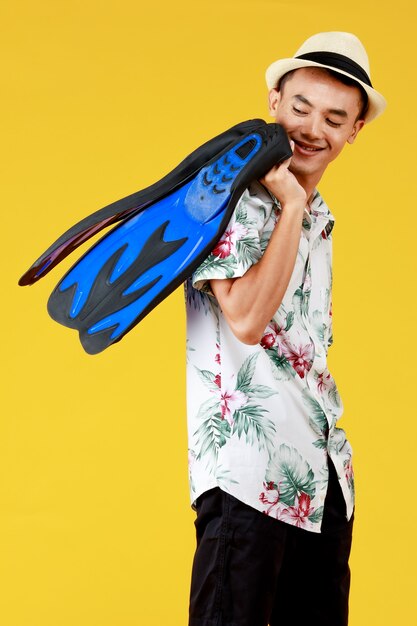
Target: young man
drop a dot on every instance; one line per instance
(270, 473)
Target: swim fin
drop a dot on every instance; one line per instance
(123, 208)
(142, 260)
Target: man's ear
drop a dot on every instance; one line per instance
(356, 128)
(274, 98)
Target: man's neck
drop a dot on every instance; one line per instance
(309, 185)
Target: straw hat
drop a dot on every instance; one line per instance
(337, 51)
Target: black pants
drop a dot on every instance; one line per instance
(253, 570)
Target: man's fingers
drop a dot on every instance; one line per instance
(270, 175)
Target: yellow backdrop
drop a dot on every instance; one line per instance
(101, 98)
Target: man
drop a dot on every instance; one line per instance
(270, 473)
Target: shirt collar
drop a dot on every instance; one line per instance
(319, 218)
(320, 212)
(318, 207)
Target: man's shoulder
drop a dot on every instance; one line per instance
(258, 193)
(254, 206)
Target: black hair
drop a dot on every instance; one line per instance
(346, 80)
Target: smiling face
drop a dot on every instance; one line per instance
(320, 115)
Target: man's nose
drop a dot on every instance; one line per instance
(311, 127)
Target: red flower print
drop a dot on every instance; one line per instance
(223, 248)
(301, 358)
(270, 496)
(323, 381)
(299, 513)
(217, 358)
(230, 402)
(227, 244)
(230, 399)
(348, 470)
(268, 340)
(270, 337)
(237, 232)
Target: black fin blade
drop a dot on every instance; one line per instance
(106, 298)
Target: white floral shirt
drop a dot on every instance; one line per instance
(262, 419)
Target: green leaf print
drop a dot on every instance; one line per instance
(317, 416)
(337, 440)
(306, 224)
(289, 320)
(334, 395)
(244, 418)
(208, 379)
(241, 215)
(212, 435)
(225, 267)
(291, 473)
(301, 298)
(224, 429)
(305, 301)
(250, 420)
(317, 516)
(320, 443)
(260, 391)
(224, 479)
(283, 369)
(246, 373)
(213, 431)
(265, 237)
(297, 300)
(262, 212)
(248, 250)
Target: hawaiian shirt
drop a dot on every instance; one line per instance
(262, 419)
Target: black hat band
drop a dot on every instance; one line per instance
(339, 62)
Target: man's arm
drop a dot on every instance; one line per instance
(249, 302)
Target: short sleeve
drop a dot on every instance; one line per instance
(241, 245)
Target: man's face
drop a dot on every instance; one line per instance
(319, 114)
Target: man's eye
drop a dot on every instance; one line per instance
(333, 124)
(298, 110)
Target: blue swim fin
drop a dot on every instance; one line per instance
(142, 260)
(125, 207)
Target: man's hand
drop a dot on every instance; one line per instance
(284, 186)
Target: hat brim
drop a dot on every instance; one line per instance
(276, 71)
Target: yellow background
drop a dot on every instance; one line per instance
(99, 99)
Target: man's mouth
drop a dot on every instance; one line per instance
(306, 148)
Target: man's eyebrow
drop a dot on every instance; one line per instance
(340, 112)
(303, 100)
